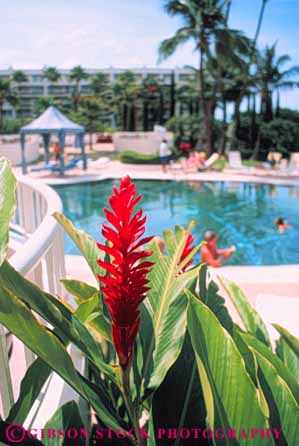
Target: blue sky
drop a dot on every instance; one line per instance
(122, 33)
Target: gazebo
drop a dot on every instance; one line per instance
(53, 122)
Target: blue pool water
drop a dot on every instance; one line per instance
(240, 213)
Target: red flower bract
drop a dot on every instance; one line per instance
(125, 284)
(186, 251)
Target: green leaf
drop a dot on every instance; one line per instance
(66, 418)
(281, 369)
(66, 323)
(288, 357)
(17, 317)
(230, 395)
(80, 290)
(167, 305)
(286, 405)
(85, 243)
(178, 402)
(209, 294)
(31, 385)
(88, 307)
(291, 340)
(7, 204)
(251, 319)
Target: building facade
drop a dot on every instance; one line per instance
(38, 86)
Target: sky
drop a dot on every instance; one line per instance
(124, 33)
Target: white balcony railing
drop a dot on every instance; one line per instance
(40, 258)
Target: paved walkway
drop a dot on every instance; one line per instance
(116, 169)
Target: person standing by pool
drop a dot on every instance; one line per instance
(164, 154)
(57, 151)
(210, 254)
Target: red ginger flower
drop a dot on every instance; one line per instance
(186, 251)
(125, 285)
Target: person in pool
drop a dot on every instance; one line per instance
(282, 225)
(210, 254)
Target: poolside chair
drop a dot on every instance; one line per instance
(210, 161)
(100, 162)
(235, 160)
(45, 166)
(294, 161)
(274, 157)
(70, 165)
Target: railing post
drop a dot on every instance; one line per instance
(6, 390)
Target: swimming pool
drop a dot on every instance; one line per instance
(240, 213)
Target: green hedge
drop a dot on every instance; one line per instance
(131, 157)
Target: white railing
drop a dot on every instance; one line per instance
(40, 258)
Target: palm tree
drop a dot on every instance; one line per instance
(246, 73)
(51, 74)
(18, 78)
(204, 23)
(91, 110)
(100, 85)
(272, 77)
(6, 95)
(77, 75)
(125, 94)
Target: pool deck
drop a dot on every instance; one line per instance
(255, 280)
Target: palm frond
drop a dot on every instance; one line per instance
(169, 46)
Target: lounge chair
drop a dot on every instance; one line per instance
(274, 158)
(70, 165)
(235, 160)
(209, 163)
(45, 166)
(100, 162)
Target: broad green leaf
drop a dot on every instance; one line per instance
(31, 385)
(84, 295)
(7, 204)
(250, 317)
(230, 395)
(66, 418)
(80, 290)
(167, 305)
(286, 405)
(66, 323)
(288, 357)
(291, 340)
(17, 318)
(281, 369)
(88, 307)
(209, 294)
(85, 243)
(179, 402)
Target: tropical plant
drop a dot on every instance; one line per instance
(271, 77)
(6, 95)
(91, 111)
(204, 23)
(126, 91)
(77, 75)
(156, 342)
(51, 74)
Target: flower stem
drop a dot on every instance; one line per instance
(132, 410)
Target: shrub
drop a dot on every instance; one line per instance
(131, 157)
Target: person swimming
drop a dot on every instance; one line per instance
(210, 254)
(282, 225)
